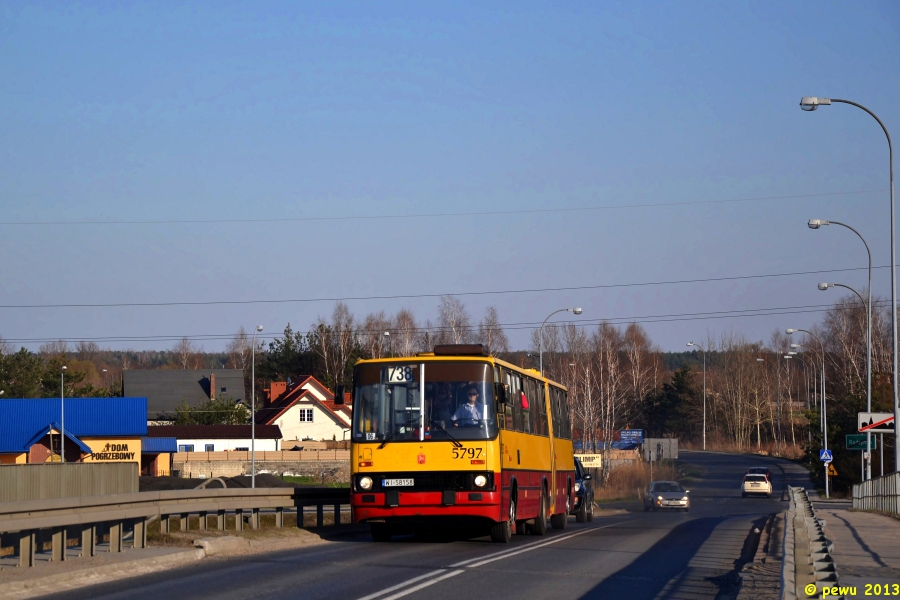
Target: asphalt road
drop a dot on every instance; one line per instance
(635, 555)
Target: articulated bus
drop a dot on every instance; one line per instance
(458, 437)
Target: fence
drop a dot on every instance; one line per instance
(262, 456)
(881, 493)
(46, 481)
(114, 514)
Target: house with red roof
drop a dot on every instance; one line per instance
(305, 410)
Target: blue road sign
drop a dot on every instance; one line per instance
(631, 435)
(825, 455)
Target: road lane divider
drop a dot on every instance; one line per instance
(402, 585)
(454, 569)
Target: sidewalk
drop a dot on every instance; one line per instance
(866, 548)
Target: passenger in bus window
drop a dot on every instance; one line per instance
(442, 409)
(471, 413)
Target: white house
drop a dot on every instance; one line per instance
(217, 438)
(305, 410)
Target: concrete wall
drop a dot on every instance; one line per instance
(336, 471)
(56, 480)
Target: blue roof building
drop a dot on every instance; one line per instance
(96, 429)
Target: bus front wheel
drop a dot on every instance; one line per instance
(502, 532)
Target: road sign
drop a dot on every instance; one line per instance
(857, 441)
(875, 422)
(825, 455)
(831, 470)
(631, 435)
(591, 461)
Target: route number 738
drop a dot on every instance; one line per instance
(467, 452)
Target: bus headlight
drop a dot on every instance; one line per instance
(480, 480)
(365, 483)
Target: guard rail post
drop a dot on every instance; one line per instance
(88, 537)
(27, 543)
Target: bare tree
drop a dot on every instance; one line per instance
(86, 350)
(406, 333)
(185, 353)
(239, 350)
(5, 347)
(371, 334)
(57, 348)
(490, 331)
(454, 323)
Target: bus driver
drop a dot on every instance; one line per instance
(471, 413)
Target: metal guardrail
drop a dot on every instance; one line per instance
(807, 553)
(881, 493)
(94, 515)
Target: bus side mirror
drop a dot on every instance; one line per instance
(339, 395)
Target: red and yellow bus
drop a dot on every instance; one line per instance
(457, 436)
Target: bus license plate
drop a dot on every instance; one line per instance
(397, 482)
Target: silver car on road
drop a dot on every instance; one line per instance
(666, 495)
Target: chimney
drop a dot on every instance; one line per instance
(348, 399)
(212, 386)
(276, 391)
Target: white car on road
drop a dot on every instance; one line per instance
(756, 484)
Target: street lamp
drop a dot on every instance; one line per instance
(576, 311)
(704, 390)
(824, 413)
(62, 418)
(390, 341)
(253, 409)
(810, 103)
(868, 307)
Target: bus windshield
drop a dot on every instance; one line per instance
(458, 402)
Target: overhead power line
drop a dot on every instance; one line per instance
(431, 215)
(725, 314)
(436, 295)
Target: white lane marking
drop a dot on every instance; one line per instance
(424, 585)
(400, 585)
(479, 561)
(535, 547)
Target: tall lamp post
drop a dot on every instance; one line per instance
(867, 472)
(576, 311)
(704, 389)
(824, 413)
(253, 409)
(390, 341)
(62, 414)
(810, 103)
(815, 224)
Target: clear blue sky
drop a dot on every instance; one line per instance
(152, 111)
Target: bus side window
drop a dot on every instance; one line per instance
(534, 406)
(527, 405)
(541, 401)
(554, 410)
(518, 414)
(567, 425)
